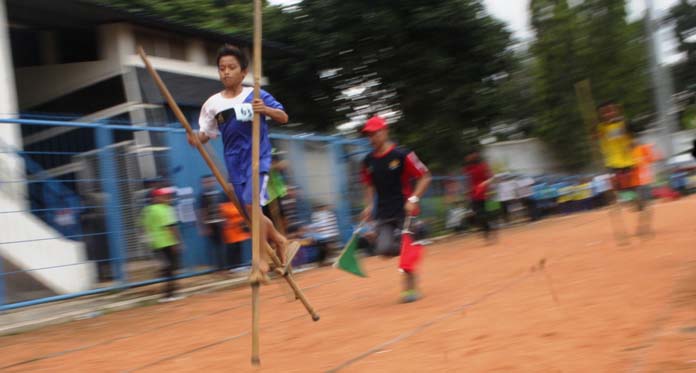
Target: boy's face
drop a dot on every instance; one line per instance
(609, 112)
(378, 138)
(231, 73)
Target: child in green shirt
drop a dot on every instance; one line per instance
(159, 220)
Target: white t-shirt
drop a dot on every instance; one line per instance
(217, 104)
(506, 190)
(524, 187)
(602, 183)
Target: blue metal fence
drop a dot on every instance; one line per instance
(77, 230)
(79, 234)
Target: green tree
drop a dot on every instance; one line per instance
(558, 68)
(590, 41)
(615, 55)
(233, 17)
(429, 61)
(432, 64)
(684, 16)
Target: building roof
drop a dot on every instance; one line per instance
(88, 13)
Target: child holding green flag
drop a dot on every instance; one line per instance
(395, 180)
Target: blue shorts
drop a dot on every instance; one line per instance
(243, 191)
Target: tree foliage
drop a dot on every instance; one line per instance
(428, 63)
(443, 71)
(592, 40)
(233, 17)
(684, 16)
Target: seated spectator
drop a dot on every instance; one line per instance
(603, 187)
(235, 231)
(456, 217)
(525, 193)
(289, 205)
(583, 195)
(325, 231)
(565, 197)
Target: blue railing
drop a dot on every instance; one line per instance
(323, 167)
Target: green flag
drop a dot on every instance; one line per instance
(348, 260)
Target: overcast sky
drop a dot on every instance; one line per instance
(516, 12)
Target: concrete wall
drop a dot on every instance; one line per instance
(683, 140)
(528, 156)
(21, 225)
(118, 45)
(31, 244)
(59, 80)
(11, 166)
(679, 142)
(531, 156)
(320, 179)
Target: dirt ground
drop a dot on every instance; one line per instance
(486, 308)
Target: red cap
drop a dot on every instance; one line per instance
(374, 124)
(162, 192)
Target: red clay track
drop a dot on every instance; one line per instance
(486, 308)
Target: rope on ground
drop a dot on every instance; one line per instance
(430, 323)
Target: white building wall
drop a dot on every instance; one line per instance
(320, 183)
(22, 225)
(116, 43)
(678, 142)
(531, 156)
(11, 166)
(30, 244)
(59, 80)
(528, 156)
(196, 53)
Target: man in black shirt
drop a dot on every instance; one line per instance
(388, 173)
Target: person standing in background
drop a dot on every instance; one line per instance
(211, 220)
(644, 157)
(480, 177)
(160, 223)
(235, 232)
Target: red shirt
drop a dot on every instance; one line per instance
(478, 173)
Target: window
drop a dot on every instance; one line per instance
(25, 46)
(77, 45)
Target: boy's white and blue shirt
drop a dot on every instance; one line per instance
(231, 118)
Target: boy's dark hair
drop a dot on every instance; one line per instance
(231, 50)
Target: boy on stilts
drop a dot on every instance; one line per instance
(388, 173)
(229, 114)
(616, 146)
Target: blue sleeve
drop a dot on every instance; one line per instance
(270, 101)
